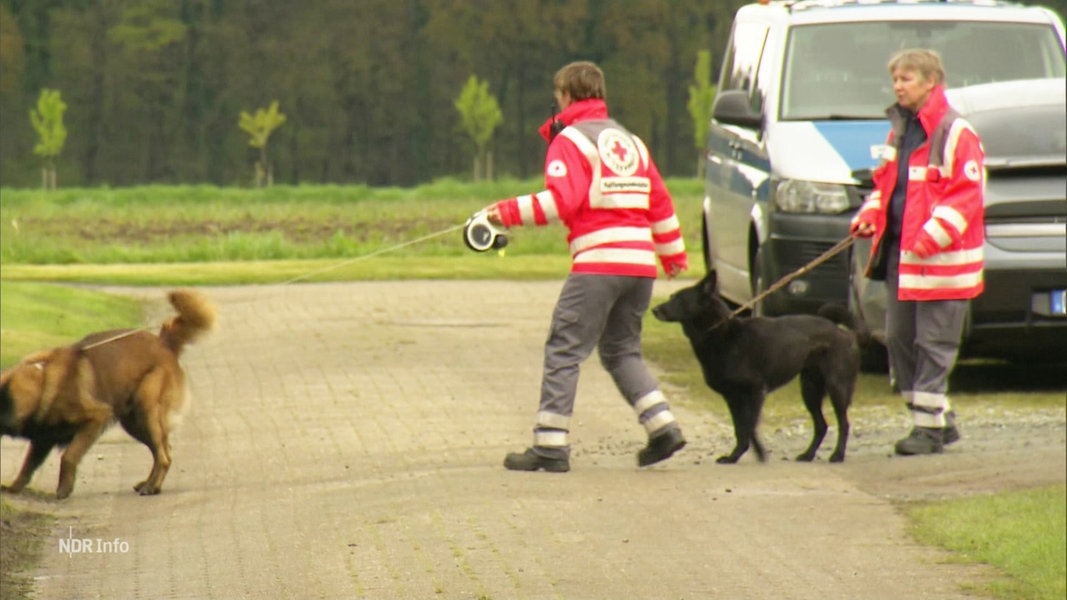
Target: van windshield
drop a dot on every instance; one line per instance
(838, 70)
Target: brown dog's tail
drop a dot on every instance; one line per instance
(196, 316)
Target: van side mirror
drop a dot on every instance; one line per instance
(733, 107)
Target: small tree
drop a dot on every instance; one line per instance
(701, 96)
(479, 116)
(47, 119)
(259, 126)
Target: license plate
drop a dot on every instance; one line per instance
(1058, 302)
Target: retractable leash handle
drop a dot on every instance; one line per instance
(481, 235)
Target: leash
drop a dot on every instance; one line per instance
(113, 338)
(784, 281)
(428, 236)
(393, 248)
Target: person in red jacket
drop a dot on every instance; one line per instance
(926, 218)
(603, 186)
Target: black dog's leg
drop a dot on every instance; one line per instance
(841, 397)
(745, 408)
(813, 390)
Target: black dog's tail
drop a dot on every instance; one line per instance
(843, 316)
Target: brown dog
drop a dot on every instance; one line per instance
(68, 396)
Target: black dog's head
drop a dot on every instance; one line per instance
(699, 302)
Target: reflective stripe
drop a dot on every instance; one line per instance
(584, 144)
(951, 216)
(553, 420)
(545, 200)
(548, 205)
(659, 421)
(937, 231)
(526, 211)
(550, 438)
(617, 255)
(610, 235)
(923, 419)
(953, 139)
(614, 200)
(648, 401)
(940, 282)
(671, 248)
(642, 150)
(667, 225)
(945, 259)
(930, 400)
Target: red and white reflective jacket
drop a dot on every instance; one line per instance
(942, 231)
(602, 185)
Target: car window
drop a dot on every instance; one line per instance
(839, 70)
(742, 61)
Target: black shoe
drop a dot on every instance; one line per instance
(532, 461)
(950, 434)
(661, 447)
(921, 440)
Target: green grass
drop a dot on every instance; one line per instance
(1021, 533)
(35, 316)
(183, 224)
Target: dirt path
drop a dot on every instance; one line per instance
(345, 441)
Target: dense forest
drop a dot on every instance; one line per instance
(154, 88)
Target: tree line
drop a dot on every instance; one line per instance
(154, 89)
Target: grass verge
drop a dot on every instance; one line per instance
(1021, 533)
(22, 537)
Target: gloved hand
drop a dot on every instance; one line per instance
(674, 265)
(861, 227)
(925, 246)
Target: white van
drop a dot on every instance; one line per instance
(799, 120)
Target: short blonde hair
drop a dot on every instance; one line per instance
(923, 61)
(581, 80)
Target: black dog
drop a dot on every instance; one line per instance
(745, 358)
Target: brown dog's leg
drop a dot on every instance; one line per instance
(156, 396)
(98, 416)
(34, 457)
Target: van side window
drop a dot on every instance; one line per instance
(741, 63)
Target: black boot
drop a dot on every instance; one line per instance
(921, 440)
(661, 447)
(531, 460)
(950, 434)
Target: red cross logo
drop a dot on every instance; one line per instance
(619, 150)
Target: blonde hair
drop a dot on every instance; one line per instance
(581, 80)
(925, 62)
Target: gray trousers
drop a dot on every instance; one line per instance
(604, 313)
(923, 339)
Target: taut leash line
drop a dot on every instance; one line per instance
(428, 236)
(784, 281)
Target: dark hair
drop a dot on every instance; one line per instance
(581, 80)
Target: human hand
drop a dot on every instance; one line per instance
(863, 229)
(925, 247)
(674, 268)
(492, 212)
